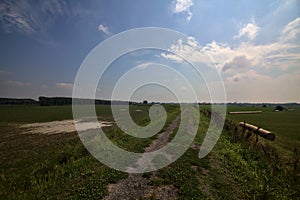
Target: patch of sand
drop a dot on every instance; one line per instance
(65, 126)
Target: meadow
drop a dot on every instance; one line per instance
(284, 124)
(57, 166)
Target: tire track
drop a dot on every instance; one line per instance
(135, 186)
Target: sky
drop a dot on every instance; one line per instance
(253, 45)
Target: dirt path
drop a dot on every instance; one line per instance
(135, 186)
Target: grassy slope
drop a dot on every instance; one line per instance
(233, 170)
(285, 125)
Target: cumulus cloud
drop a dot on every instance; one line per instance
(63, 85)
(251, 65)
(183, 6)
(249, 30)
(103, 28)
(247, 76)
(281, 54)
(172, 57)
(239, 62)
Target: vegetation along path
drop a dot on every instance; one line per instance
(136, 186)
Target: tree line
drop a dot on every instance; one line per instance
(15, 101)
(51, 101)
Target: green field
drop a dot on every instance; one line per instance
(285, 124)
(57, 166)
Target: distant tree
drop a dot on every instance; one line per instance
(264, 106)
(279, 108)
(145, 102)
(17, 101)
(43, 101)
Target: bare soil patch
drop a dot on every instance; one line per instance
(65, 126)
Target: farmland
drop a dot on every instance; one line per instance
(58, 166)
(285, 124)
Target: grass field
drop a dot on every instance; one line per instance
(57, 166)
(235, 169)
(285, 124)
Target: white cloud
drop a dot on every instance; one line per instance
(291, 32)
(189, 17)
(256, 67)
(44, 86)
(104, 29)
(4, 72)
(63, 85)
(18, 83)
(254, 87)
(239, 62)
(249, 30)
(183, 89)
(12, 18)
(283, 53)
(172, 57)
(183, 6)
(247, 76)
(35, 17)
(144, 65)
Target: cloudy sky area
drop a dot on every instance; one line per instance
(254, 45)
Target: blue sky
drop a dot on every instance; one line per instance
(255, 45)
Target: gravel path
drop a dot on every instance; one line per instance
(135, 186)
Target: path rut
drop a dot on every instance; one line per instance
(135, 186)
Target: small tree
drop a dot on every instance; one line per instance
(280, 108)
